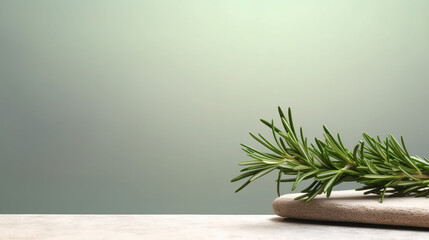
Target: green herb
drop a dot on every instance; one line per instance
(384, 167)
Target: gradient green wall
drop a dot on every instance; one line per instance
(140, 106)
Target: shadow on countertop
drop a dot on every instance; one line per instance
(348, 224)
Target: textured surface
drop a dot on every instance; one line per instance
(60, 227)
(353, 206)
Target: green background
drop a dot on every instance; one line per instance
(140, 106)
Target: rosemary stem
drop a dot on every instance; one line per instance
(376, 164)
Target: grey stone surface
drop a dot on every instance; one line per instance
(154, 227)
(353, 206)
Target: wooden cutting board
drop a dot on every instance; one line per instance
(353, 206)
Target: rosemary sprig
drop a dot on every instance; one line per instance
(384, 167)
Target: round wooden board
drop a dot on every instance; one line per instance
(353, 206)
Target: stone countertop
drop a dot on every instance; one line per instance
(60, 227)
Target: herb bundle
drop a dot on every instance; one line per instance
(384, 167)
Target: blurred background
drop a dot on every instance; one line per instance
(140, 106)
